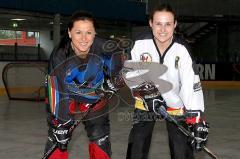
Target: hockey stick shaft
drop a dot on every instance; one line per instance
(210, 153)
(169, 118)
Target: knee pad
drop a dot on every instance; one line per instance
(97, 128)
(100, 148)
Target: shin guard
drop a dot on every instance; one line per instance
(100, 149)
(58, 154)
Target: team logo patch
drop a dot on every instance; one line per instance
(146, 57)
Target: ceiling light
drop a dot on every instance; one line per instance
(18, 19)
(15, 25)
(51, 23)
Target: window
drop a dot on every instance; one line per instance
(19, 45)
(22, 38)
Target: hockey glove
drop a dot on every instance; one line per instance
(109, 86)
(59, 132)
(150, 96)
(199, 129)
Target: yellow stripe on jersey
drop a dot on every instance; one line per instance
(139, 104)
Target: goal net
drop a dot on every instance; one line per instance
(25, 80)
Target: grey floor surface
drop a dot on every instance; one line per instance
(23, 129)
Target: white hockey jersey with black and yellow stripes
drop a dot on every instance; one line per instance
(182, 71)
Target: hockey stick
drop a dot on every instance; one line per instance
(169, 118)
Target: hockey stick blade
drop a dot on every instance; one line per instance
(169, 118)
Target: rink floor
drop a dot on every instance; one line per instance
(23, 129)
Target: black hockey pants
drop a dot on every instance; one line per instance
(141, 134)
